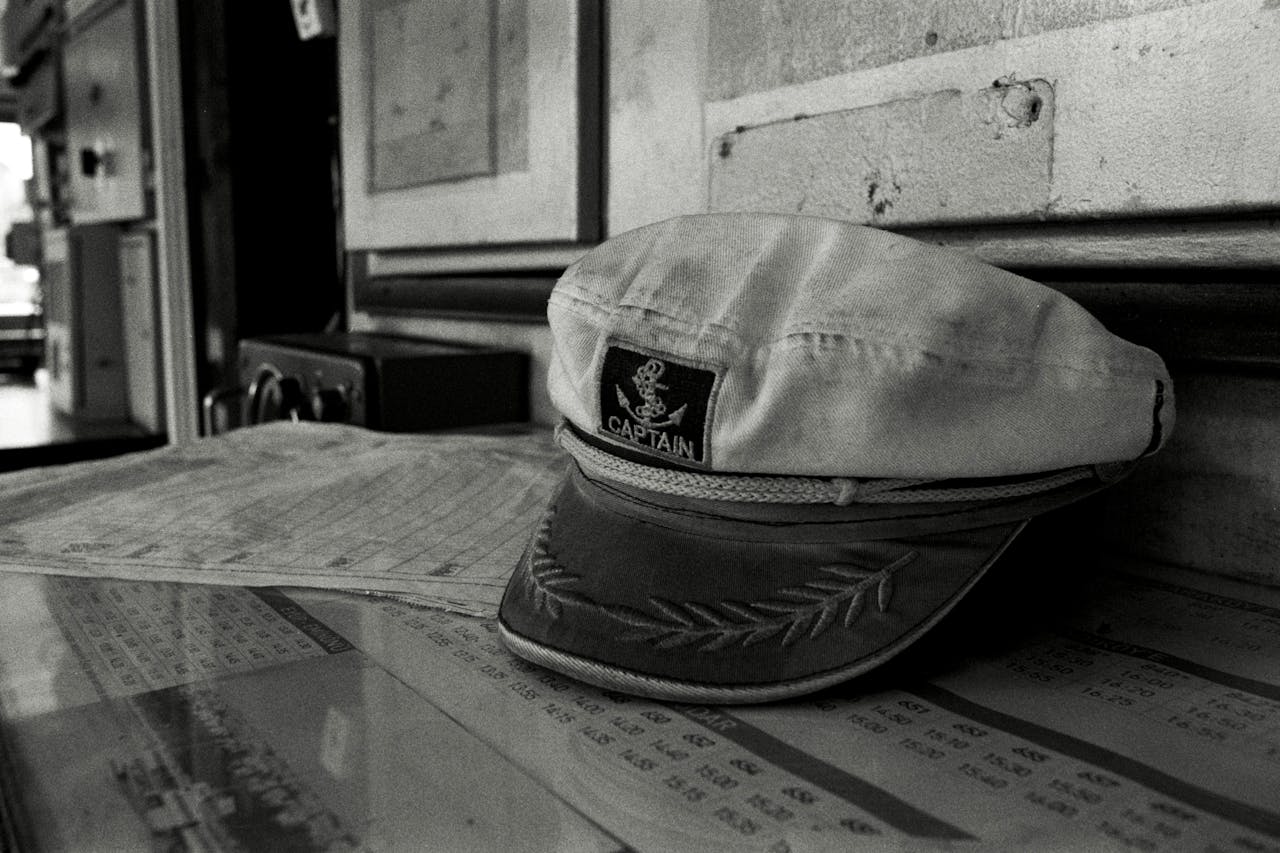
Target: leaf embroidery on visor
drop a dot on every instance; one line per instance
(792, 612)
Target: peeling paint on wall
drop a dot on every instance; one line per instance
(942, 157)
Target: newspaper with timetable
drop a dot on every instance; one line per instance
(438, 518)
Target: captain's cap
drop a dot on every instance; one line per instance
(796, 444)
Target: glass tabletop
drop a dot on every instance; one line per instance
(138, 716)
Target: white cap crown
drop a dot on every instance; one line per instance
(790, 345)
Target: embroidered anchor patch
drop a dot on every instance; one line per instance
(656, 404)
(647, 413)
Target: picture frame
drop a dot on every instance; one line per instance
(505, 151)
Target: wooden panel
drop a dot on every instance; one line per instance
(1138, 104)
(1228, 322)
(758, 45)
(1144, 124)
(945, 156)
(1170, 244)
(497, 299)
(1210, 499)
(480, 260)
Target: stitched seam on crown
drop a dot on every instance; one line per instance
(985, 364)
(731, 338)
(873, 336)
(990, 356)
(735, 339)
(804, 338)
(623, 308)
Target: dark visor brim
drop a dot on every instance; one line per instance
(678, 605)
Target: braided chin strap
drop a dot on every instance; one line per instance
(841, 491)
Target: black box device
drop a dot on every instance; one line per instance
(381, 381)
